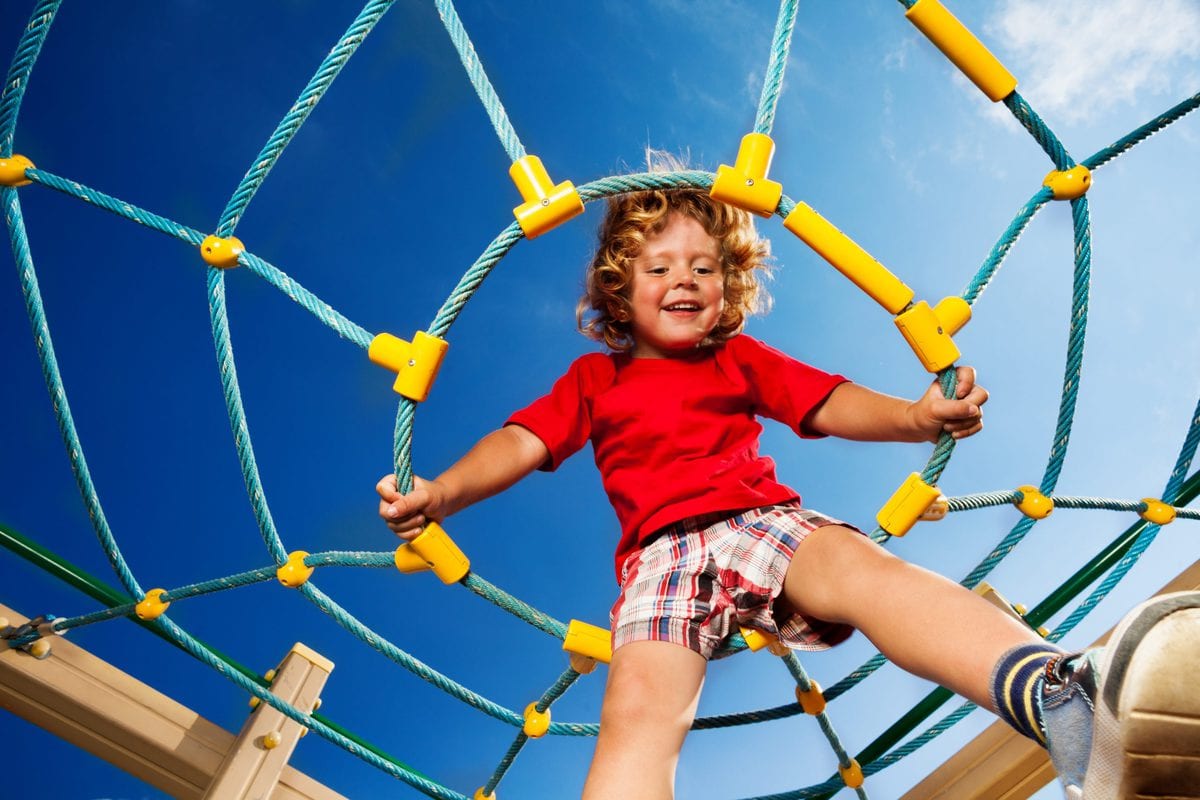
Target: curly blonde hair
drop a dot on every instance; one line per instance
(604, 312)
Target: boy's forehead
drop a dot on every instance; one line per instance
(680, 232)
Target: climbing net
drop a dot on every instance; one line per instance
(928, 329)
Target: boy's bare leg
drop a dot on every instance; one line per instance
(926, 624)
(649, 704)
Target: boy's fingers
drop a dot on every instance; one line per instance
(386, 488)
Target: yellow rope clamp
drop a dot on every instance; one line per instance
(811, 700)
(1069, 184)
(12, 171)
(546, 206)
(906, 505)
(536, 722)
(294, 571)
(963, 49)
(852, 774)
(588, 640)
(1157, 512)
(152, 605)
(928, 331)
(1033, 503)
(221, 253)
(745, 184)
(433, 550)
(416, 364)
(756, 640)
(479, 795)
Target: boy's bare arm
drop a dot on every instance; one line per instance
(856, 412)
(496, 462)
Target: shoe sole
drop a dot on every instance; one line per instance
(1146, 736)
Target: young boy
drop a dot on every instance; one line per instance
(711, 540)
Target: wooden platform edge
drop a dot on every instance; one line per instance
(1000, 764)
(88, 702)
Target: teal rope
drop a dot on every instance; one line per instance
(1039, 130)
(776, 66)
(1124, 144)
(479, 79)
(556, 691)
(17, 80)
(493, 594)
(991, 264)
(302, 297)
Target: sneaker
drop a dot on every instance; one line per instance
(1124, 721)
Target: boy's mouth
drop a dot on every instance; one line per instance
(682, 307)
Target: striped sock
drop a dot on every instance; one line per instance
(1016, 681)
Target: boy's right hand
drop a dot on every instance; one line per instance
(407, 514)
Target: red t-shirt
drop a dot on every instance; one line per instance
(676, 438)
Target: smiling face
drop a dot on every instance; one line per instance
(677, 293)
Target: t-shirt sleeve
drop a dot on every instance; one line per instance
(784, 389)
(562, 419)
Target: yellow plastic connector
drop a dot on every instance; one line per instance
(221, 253)
(479, 795)
(852, 775)
(1034, 504)
(269, 675)
(546, 205)
(745, 184)
(433, 550)
(906, 505)
(416, 364)
(271, 740)
(536, 722)
(848, 258)
(928, 331)
(965, 51)
(1157, 512)
(937, 510)
(12, 171)
(1069, 184)
(756, 640)
(588, 640)
(813, 700)
(152, 605)
(255, 702)
(294, 571)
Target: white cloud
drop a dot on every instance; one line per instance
(1077, 58)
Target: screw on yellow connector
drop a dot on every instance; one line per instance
(433, 550)
(848, 258)
(852, 774)
(928, 331)
(811, 700)
(745, 184)
(1033, 503)
(12, 171)
(38, 648)
(1069, 184)
(221, 253)
(536, 722)
(152, 605)
(588, 640)
(1157, 512)
(546, 205)
(965, 51)
(416, 364)
(937, 510)
(479, 795)
(906, 505)
(271, 740)
(294, 571)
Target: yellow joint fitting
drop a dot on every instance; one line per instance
(546, 205)
(12, 171)
(965, 51)
(848, 258)
(221, 253)
(1069, 184)
(38, 648)
(479, 795)
(416, 364)
(906, 505)
(434, 550)
(588, 640)
(756, 640)
(536, 722)
(152, 605)
(1020, 608)
(745, 184)
(255, 702)
(271, 740)
(937, 510)
(812, 700)
(294, 572)
(1043, 631)
(269, 675)
(1157, 512)
(852, 774)
(1034, 504)
(928, 331)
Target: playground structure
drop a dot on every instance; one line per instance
(929, 328)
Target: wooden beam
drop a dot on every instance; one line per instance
(92, 704)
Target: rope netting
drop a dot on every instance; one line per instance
(1179, 489)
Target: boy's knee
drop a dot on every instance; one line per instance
(652, 684)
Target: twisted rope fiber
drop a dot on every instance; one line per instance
(302, 297)
(999, 252)
(776, 65)
(556, 691)
(1039, 130)
(1124, 144)
(493, 594)
(17, 79)
(479, 79)
(296, 116)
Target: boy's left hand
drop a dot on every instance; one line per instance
(960, 418)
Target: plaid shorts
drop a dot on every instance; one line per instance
(702, 578)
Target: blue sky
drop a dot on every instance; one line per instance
(394, 187)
